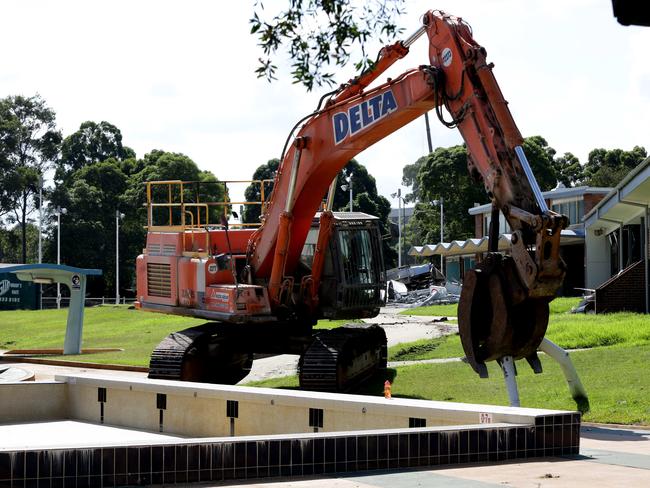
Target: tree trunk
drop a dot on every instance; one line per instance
(23, 227)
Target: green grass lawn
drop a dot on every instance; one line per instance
(107, 326)
(135, 331)
(613, 370)
(614, 377)
(570, 331)
(559, 305)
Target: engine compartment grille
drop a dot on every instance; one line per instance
(159, 280)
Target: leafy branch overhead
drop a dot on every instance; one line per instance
(317, 34)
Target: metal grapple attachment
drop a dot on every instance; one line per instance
(497, 318)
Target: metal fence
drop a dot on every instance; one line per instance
(50, 302)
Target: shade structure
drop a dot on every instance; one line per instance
(480, 245)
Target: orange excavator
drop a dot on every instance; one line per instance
(264, 289)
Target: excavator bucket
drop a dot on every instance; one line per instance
(496, 318)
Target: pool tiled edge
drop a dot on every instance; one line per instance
(288, 456)
(429, 434)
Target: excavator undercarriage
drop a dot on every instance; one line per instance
(330, 360)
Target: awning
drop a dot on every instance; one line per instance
(629, 200)
(475, 245)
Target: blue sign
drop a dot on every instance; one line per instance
(363, 115)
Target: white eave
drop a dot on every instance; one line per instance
(557, 194)
(474, 246)
(627, 201)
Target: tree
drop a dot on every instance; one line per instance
(10, 244)
(607, 167)
(163, 166)
(97, 190)
(91, 196)
(444, 175)
(540, 156)
(568, 170)
(30, 144)
(253, 192)
(410, 179)
(92, 143)
(318, 33)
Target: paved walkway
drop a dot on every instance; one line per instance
(609, 457)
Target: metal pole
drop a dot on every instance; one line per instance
(117, 257)
(40, 236)
(510, 376)
(426, 122)
(531, 179)
(40, 219)
(620, 247)
(351, 209)
(442, 234)
(645, 258)
(399, 227)
(58, 254)
(578, 391)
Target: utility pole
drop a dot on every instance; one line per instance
(40, 236)
(426, 121)
(118, 216)
(348, 186)
(399, 226)
(400, 201)
(59, 211)
(40, 219)
(442, 226)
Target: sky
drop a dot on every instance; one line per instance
(179, 76)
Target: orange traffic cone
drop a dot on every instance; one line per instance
(387, 388)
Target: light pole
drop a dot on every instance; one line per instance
(348, 187)
(59, 211)
(40, 235)
(118, 217)
(400, 200)
(442, 226)
(40, 219)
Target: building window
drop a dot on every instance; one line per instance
(574, 209)
(504, 228)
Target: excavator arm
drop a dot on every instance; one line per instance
(504, 305)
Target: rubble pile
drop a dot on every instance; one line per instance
(432, 295)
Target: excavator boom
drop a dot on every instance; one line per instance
(459, 79)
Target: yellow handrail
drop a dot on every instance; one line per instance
(177, 188)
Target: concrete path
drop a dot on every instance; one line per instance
(609, 457)
(399, 328)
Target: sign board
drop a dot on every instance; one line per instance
(16, 294)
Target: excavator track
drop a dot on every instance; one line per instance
(202, 354)
(341, 358)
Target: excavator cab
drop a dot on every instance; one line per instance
(354, 280)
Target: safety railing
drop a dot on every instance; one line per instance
(187, 205)
(50, 302)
